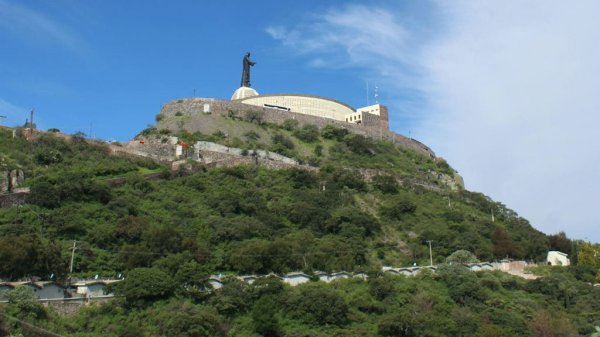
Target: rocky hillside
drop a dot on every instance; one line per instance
(367, 203)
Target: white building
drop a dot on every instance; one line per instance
(556, 258)
(323, 107)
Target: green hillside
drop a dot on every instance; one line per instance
(370, 204)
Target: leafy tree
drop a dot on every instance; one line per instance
(503, 244)
(28, 255)
(233, 298)
(462, 257)
(317, 304)
(145, 285)
(560, 242)
(264, 317)
(589, 255)
(184, 319)
(24, 304)
(463, 285)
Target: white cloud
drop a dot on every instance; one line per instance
(31, 25)
(513, 105)
(506, 90)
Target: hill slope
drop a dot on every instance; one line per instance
(371, 203)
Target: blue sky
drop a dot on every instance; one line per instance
(112, 64)
(505, 90)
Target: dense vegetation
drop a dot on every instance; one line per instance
(168, 235)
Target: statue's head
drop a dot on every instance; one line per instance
(248, 53)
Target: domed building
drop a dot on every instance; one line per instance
(318, 106)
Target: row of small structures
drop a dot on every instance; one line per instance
(50, 290)
(98, 288)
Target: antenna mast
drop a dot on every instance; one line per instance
(376, 94)
(31, 124)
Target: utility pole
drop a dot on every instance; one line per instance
(448, 200)
(72, 256)
(31, 124)
(430, 253)
(493, 219)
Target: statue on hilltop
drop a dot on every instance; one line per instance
(246, 72)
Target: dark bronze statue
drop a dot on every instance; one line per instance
(246, 72)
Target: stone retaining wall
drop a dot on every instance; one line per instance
(13, 199)
(195, 108)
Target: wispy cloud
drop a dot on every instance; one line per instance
(351, 36)
(34, 26)
(506, 90)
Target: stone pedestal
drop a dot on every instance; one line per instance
(243, 92)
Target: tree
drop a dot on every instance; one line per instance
(189, 320)
(462, 257)
(28, 255)
(560, 242)
(503, 244)
(318, 304)
(145, 285)
(24, 303)
(264, 317)
(589, 255)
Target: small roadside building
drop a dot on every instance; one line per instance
(556, 258)
(295, 278)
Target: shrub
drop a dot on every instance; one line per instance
(318, 150)
(359, 144)
(396, 208)
(333, 132)
(283, 141)
(232, 114)
(254, 116)
(159, 117)
(251, 135)
(179, 114)
(290, 124)
(385, 183)
(54, 130)
(308, 133)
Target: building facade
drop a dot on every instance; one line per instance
(373, 115)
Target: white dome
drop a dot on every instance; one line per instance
(243, 92)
